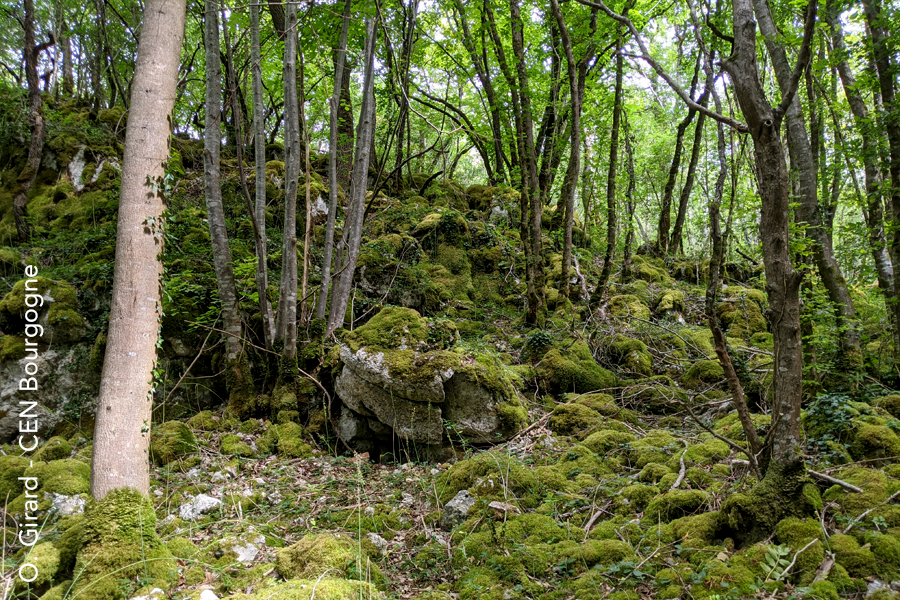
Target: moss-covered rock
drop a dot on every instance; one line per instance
(796, 533)
(171, 440)
(874, 442)
(889, 403)
(742, 317)
(630, 354)
(45, 558)
(569, 419)
(859, 562)
(286, 439)
(608, 440)
(674, 504)
(628, 305)
(232, 445)
(54, 449)
(120, 537)
(669, 302)
(704, 371)
(492, 476)
(320, 589)
(571, 368)
(316, 555)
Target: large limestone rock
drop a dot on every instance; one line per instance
(394, 383)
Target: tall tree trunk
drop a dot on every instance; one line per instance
(27, 176)
(629, 200)
(676, 243)
(355, 215)
(877, 242)
(345, 143)
(121, 429)
(237, 374)
(597, 296)
(307, 234)
(572, 172)
(333, 172)
(779, 491)
(885, 67)
(286, 324)
(259, 149)
(665, 212)
(535, 287)
(808, 209)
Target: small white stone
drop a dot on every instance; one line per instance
(200, 505)
(208, 595)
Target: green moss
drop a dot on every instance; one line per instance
(859, 562)
(324, 589)
(571, 368)
(741, 318)
(669, 301)
(67, 476)
(45, 558)
(656, 446)
(70, 543)
(286, 439)
(797, 533)
(653, 472)
(315, 554)
(823, 590)
(205, 421)
(232, 445)
(485, 476)
(98, 351)
(63, 296)
(639, 495)
(568, 419)
(54, 449)
(674, 504)
(121, 543)
(628, 305)
(704, 371)
(630, 354)
(182, 547)
(696, 530)
(889, 403)
(730, 426)
(657, 395)
(886, 549)
(707, 452)
(11, 468)
(12, 347)
(393, 327)
(874, 441)
(608, 440)
(171, 440)
(875, 485)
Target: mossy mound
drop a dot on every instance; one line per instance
(54, 449)
(391, 328)
(320, 589)
(171, 440)
(872, 442)
(492, 476)
(572, 368)
(625, 306)
(630, 354)
(669, 302)
(655, 447)
(287, 439)
(796, 533)
(675, 504)
(59, 305)
(45, 558)
(317, 555)
(569, 419)
(656, 395)
(889, 403)
(447, 227)
(120, 537)
(742, 317)
(704, 371)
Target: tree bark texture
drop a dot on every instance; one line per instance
(122, 427)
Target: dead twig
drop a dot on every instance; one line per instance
(835, 481)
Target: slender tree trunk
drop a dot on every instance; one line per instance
(286, 324)
(307, 235)
(877, 242)
(237, 374)
(884, 65)
(597, 296)
(665, 213)
(571, 183)
(333, 172)
(259, 149)
(629, 200)
(122, 426)
(535, 308)
(808, 209)
(28, 175)
(676, 243)
(356, 213)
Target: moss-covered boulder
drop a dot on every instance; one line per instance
(287, 439)
(625, 306)
(492, 476)
(630, 354)
(120, 537)
(704, 371)
(46, 564)
(741, 316)
(675, 504)
(448, 227)
(889, 403)
(54, 449)
(171, 440)
(318, 589)
(57, 315)
(669, 303)
(325, 555)
(874, 442)
(571, 367)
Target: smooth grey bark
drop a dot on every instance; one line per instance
(286, 323)
(356, 212)
(808, 210)
(122, 427)
(259, 209)
(333, 177)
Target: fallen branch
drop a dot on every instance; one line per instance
(835, 481)
(682, 470)
(863, 515)
(788, 568)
